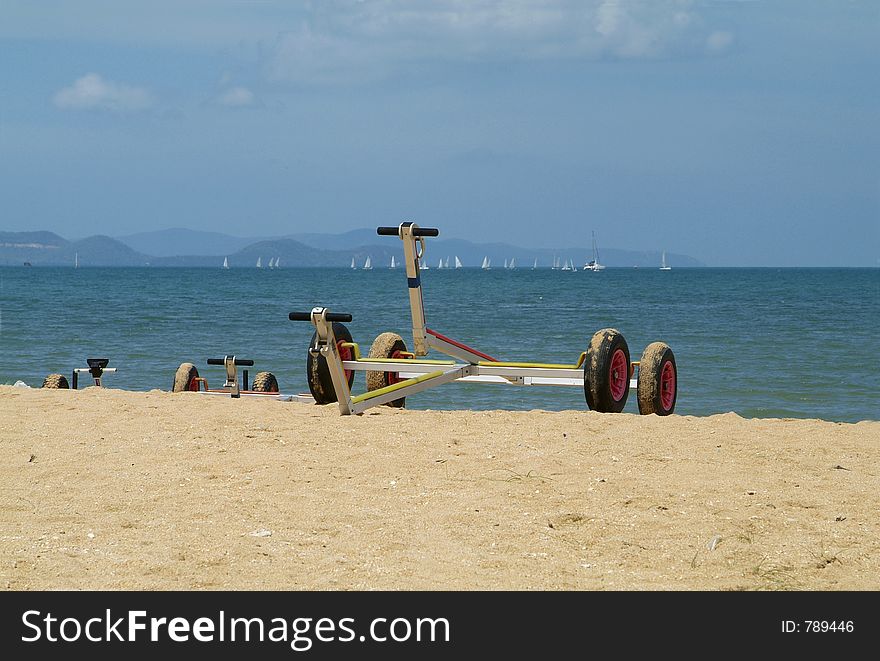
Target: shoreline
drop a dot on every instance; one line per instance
(108, 489)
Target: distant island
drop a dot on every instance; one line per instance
(190, 248)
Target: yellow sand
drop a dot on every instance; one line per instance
(118, 490)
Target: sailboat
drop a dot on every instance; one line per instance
(368, 265)
(76, 260)
(353, 264)
(663, 265)
(487, 264)
(505, 264)
(440, 263)
(536, 264)
(446, 263)
(226, 262)
(566, 267)
(277, 262)
(393, 263)
(271, 262)
(593, 264)
(512, 263)
(555, 266)
(457, 262)
(259, 262)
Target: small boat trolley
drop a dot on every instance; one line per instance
(393, 373)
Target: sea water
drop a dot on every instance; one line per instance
(768, 342)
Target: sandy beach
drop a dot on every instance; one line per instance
(106, 489)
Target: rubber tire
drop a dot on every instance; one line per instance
(183, 378)
(597, 369)
(317, 372)
(385, 346)
(265, 382)
(651, 366)
(56, 382)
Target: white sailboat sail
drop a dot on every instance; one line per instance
(446, 263)
(226, 262)
(485, 263)
(259, 262)
(440, 263)
(353, 264)
(663, 265)
(457, 262)
(76, 260)
(368, 265)
(593, 264)
(513, 262)
(505, 263)
(535, 264)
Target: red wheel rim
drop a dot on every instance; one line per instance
(393, 377)
(344, 354)
(193, 385)
(618, 375)
(667, 386)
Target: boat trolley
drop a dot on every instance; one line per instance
(393, 373)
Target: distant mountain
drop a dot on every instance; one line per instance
(46, 248)
(350, 239)
(310, 250)
(180, 241)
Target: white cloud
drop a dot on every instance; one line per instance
(718, 42)
(236, 97)
(93, 92)
(338, 40)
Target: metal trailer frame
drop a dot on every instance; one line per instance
(96, 368)
(231, 387)
(419, 374)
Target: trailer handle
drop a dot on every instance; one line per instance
(418, 231)
(238, 361)
(331, 316)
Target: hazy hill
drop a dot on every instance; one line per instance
(178, 247)
(180, 241)
(46, 248)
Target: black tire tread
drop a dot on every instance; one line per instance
(318, 373)
(384, 346)
(184, 375)
(596, 384)
(56, 382)
(649, 378)
(265, 382)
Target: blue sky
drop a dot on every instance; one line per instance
(739, 132)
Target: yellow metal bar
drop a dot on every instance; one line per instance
(355, 349)
(407, 361)
(396, 386)
(551, 366)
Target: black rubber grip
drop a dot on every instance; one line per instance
(418, 231)
(238, 361)
(331, 316)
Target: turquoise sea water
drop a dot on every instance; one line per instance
(761, 342)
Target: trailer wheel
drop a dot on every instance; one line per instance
(185, 378)
(658, 380)
(56, 381)
(318, 373)
(387, 345)
(606, 372)
(265, 382)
